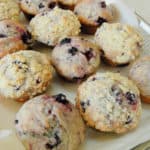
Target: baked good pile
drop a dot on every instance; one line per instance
(106, 101)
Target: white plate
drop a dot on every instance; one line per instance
(94, 140)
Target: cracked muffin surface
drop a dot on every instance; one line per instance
(50, 27)
(49, 123)
(75, 58)
(24, 74)
(121, 44)
(109, 102)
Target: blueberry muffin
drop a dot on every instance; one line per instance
(13, 37)
(92, 13)
(68, 4)
(9, 9)
(75, 58)
(24, 74)
(140, 74)
(33, 7)
(49, 123)
(109, 102)
(120, 43)
(50, 27)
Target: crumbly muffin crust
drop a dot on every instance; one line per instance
(120, 43)
(24, 74)
(109, 102)
(9, 10)
(50, 27)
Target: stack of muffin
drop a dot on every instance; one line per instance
(107, 101)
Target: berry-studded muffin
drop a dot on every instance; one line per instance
(109, 102)
(49, 123)
(121, 44)
(13, 37)
(9, 9)
(33, 7)
(75, 58)
(24, 74)
(140, 74)
(68, 4)
(92, 14)
(50, 27)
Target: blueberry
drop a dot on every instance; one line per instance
(16, 121)
(38, 81)
(131, 98)
(48, 146)
(78, 79)
(73, 51)
(56, 143)
(88, 103)
(57, 138)
(89, 54)
(103, 4)
(139, 45)
(129, 120)
(119, 99)
(8, 26)
(18, 62)
(41, 5)
(101, 20)
(93, 79)
(50, 111)
(61, 98)
(118, 93)
(19, 67)
(102, 53)
(26, 37)
(52, 5)
(17, 88)
(2, 36)
(65, 41)
(84, 105)
(116, 90)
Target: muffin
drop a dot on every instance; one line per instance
(49, 122)
(33, 7)
(68, 4)
(9, 9)
(140, 74)
(50, 27)
(13, 37)
(75, 58)
(109, 102)
(92, 14)
(121, 44)
(24, 74)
